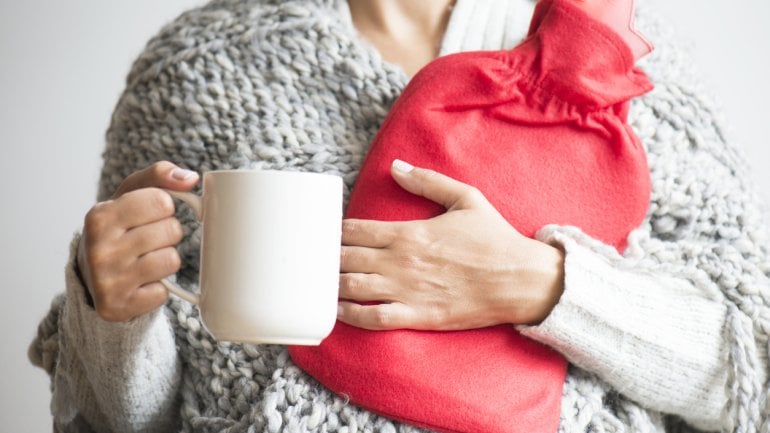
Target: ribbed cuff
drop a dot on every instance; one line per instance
(117, 376)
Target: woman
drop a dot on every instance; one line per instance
(678, 326)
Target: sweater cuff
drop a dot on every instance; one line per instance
(127, 365)
(656, 339)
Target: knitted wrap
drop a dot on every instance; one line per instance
(274, 84)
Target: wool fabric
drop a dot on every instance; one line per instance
(677, 325)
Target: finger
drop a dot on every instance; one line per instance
(111, 219)
(442, 189)
(154, 236)
(359, 259)
(155, 265)
(140, 301)
(364, 288)
(148, 298)
(139, 293)
(162, 174)
(378, 317)
(368, 233)
(142, 207)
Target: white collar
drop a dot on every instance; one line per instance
(486, 25)
(477, 24)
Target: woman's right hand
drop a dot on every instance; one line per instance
(128, 243)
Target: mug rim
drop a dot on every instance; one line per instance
(257, 171)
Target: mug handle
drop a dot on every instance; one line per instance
(195, 203)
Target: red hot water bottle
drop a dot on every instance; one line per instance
(541, 130)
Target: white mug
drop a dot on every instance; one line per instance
(270, 253)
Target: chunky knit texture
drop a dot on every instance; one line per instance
(678, 324)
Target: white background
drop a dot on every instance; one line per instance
(62, 68)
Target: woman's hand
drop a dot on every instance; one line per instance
(467, 268)
(128, 243)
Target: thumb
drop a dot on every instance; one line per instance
(437, 187)
(162, 174)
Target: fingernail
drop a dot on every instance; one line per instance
(402, 166)
(182, 174)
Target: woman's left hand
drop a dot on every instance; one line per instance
(464, 269)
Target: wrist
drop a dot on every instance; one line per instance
(544, 279)
(554, 286)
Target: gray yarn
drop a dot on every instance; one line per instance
(282, 85)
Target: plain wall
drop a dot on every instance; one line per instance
(63, 66)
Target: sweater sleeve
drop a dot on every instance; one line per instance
(657, 339)
(107, 377)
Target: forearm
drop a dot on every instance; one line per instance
(120, 377)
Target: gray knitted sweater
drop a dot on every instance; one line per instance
(673, 335)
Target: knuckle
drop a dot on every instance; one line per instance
(409, 261)
(107, 307)
(381, 319)
(344, 255)
(349, 229)
(103, 284)
(418, 235)
(99, 256)
(473, 195)
(423, 286)
(345, 283)
(427, 174)
(351, 284)
(97, 259)
(98, 218)
(174, 231)
(437, 317)
(170, 260)
(160, 200)
(157, 171)
(157, 293)
(151, 175)
(349, 255)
